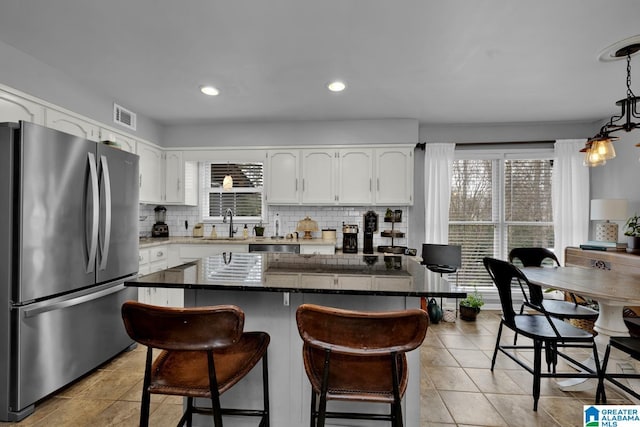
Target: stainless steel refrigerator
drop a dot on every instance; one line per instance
(68, 241)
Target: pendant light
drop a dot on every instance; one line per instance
(227, 182)
(599, 149)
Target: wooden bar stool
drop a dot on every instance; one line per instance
(204, 353)
(358, 356)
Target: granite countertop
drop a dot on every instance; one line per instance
(148, 242)
(330, 274)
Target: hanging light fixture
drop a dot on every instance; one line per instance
(227, 181)
(599, 149)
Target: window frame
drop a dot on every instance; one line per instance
(498, 157)
(206, 190)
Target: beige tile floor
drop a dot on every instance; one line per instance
(457, 388)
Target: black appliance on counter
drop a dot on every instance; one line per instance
(349, 239)
(160, 228)
(370, 227)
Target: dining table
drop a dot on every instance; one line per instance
(611, 289)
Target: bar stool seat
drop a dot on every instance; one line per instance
(204, 352)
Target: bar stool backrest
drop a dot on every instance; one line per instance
(196, 328)
(361, 333)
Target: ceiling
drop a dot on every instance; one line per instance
(440, 62)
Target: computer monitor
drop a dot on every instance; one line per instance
(442, 258)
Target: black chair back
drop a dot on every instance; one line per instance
(442, 258)
(533, 257)
(502, 273)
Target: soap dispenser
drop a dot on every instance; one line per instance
(214, 234)
(245, 232)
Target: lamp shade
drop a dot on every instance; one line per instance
(609, 209)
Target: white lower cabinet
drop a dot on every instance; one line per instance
(151, 260)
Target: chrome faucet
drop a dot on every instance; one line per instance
(224, 220)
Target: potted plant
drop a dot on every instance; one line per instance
(633, 234)
(470, 306)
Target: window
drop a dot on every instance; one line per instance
(244, 199)
(499, 202)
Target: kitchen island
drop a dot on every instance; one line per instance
(269, 287)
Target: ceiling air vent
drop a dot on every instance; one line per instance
(124, 117)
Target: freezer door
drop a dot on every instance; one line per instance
(56, 232)
(61, 339)
(119, 219)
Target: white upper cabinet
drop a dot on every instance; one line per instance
(173, 177)
(318, 176)
(355, 176)
(71, 124)
(125, 143)
(394, 176)
(341, 176)
(151, 174)
(283, 177)
(15, 108)
(180, 179)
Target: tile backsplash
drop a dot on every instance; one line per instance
(326, 217)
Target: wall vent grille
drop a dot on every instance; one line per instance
(124, 117)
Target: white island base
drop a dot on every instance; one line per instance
(289, 388)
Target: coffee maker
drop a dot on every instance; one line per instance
(370, 227)
(349, 239)
(160, 228)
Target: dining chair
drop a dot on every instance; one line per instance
(629, 345)
(358, 356)
(204, 352)
(546, 332)
(534, 257)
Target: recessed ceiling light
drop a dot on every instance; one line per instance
(209, 90)
(336, 86)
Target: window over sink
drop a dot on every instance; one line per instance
(245, 198)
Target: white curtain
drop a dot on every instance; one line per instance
(570, 195)
(438, 171)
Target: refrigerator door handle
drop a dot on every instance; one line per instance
(95, 217)
(104, 250)
(32, 312)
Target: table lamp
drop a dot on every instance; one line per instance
(308, 226)
(608, 210)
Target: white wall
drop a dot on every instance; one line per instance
(301, 133)
(27, 74)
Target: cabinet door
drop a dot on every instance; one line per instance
(174, 177)
(72, 125)
(150, 173)
(283, 177)
(394, 176)
(125, 143)
(14, 108)
(318, 176)
(355, 177)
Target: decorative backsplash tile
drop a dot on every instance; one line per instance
(327, 217)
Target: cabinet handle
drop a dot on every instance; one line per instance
(139, 257)
(159, 254)
(370, 185)
(378, 184)
(296, 184)
(140, 181)
(303, 185)
(178, 185)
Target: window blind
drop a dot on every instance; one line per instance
(245, 199)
